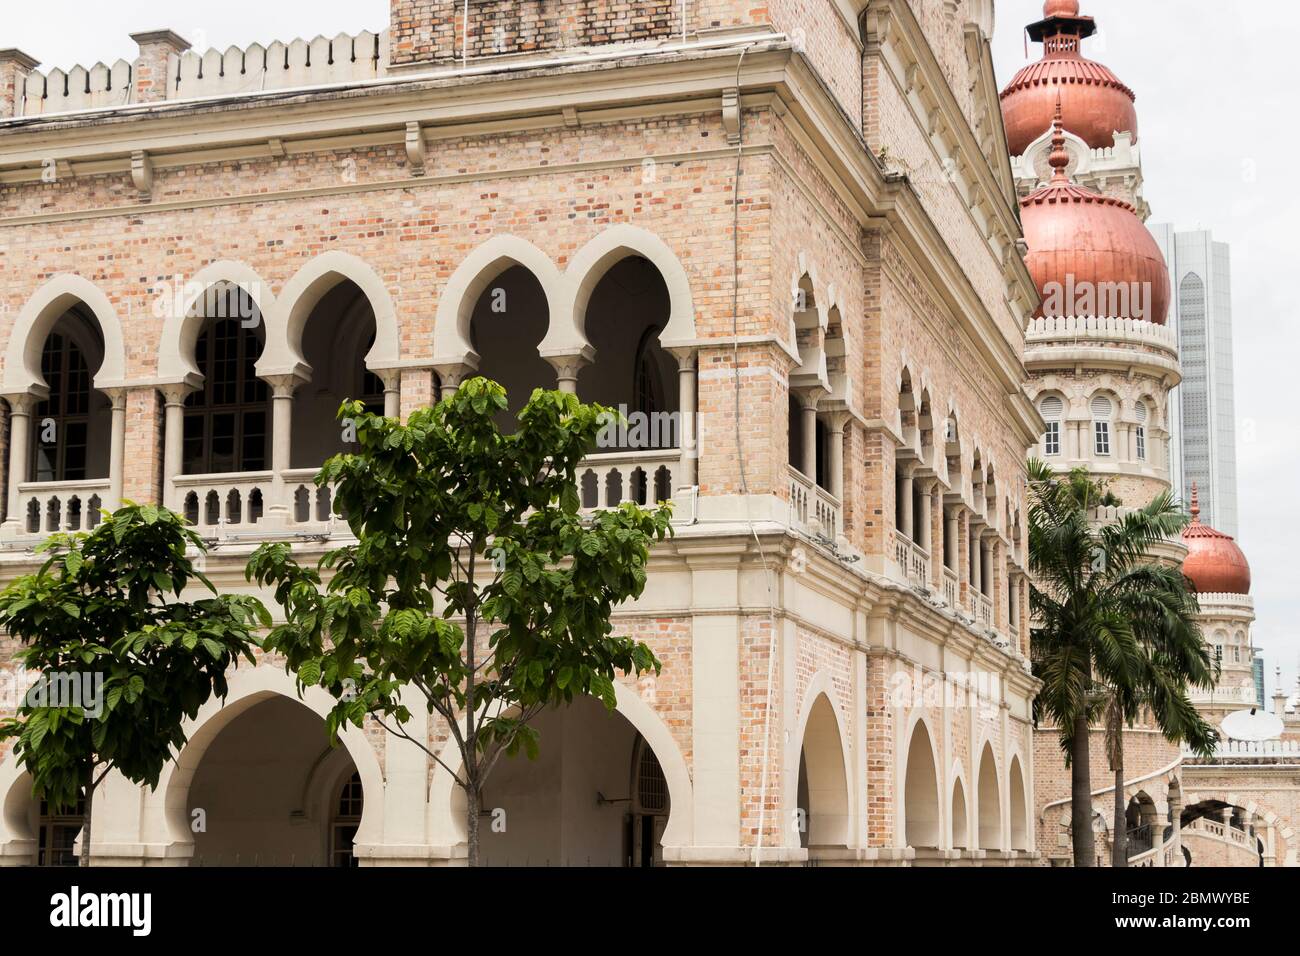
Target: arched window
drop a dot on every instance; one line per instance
(649, 810)
(226, 422)
(1102, 409)
(346, 820)
(62, 422)
(58, 833)
(1140, 433)
(1053, 410)
(648, 388)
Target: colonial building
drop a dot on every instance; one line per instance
(789, 230)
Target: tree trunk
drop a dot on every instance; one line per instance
(1119, 849)
(85, 821)
(473, 800)
(1085, 853)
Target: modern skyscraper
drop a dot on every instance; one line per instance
(1202, 409)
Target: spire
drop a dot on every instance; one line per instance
(1196, 505)
(1059, 158)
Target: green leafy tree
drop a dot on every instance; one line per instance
(1114, 633)
(476, 581)
(120, 659)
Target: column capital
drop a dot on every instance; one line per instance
(808, 396)
(451, 375)
(687, 356)
(22, 403)
(175, 393)
(567, 365)
(283, 386)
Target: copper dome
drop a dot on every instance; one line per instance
(1214, 564)
(1089, 254)
(1095, 104)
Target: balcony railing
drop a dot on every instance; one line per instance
(913, 561)
(809, 503)
(984, 610)
(951, 588)
(44, 507)
(225, 502)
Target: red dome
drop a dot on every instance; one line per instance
(1214, 564)
(1090, 255)
(1095, 104)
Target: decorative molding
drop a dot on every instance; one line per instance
(142, 174)
(416, 152)
(731, 115)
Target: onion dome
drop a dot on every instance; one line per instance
(1214, 562)
(1089, 254)
(1095, 103)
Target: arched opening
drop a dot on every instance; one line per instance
(336, 337)
(1140, 820)
(808, 385)
(960, 839)
(921, 792)
(628, 309)
(823, 797)
(72, 425)
(990, 803)
(509, 320)
(596, 795)
(270, 791)
(1019, 808)
(227, 425)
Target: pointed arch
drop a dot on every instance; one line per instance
(451, 330)
(989, 801)
(920, 815)
(959, 820)
(22, 371)
(820, 744)
(1018, 795)
(283, 353)
(589, 265)
(183, 318)
(446, 823)
(166, 819)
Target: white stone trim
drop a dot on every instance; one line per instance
(22, 371)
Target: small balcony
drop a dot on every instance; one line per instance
(913, 561)
(812, 507)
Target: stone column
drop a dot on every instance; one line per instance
(157, 47)
(20, 419)
(452, 375)
(15, 66)
(986, 566)
(392, 379)
(116, 449)
(567, 367)
(808, 459)
(279, 510)
(951, 557)
(173, 442)
(907, 525)
(921, 522)
(688, 414)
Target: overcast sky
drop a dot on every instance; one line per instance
(1220, 149)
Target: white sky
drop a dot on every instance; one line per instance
(1219, 147)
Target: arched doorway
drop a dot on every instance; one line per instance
(921, 792)
(270, 791)
(509, 320)
(990, 802)
(960, 839)
(1019, 808)
(823, 788)
(596, 795)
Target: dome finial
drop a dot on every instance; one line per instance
(1059, 158)
(1196, 504)
(1061, 8)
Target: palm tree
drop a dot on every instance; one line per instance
(1110, 627)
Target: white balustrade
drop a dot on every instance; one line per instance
(812, 507)
(641, 477)
(951, 588)
(44, 507)
(913, 561)
(235, 502)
